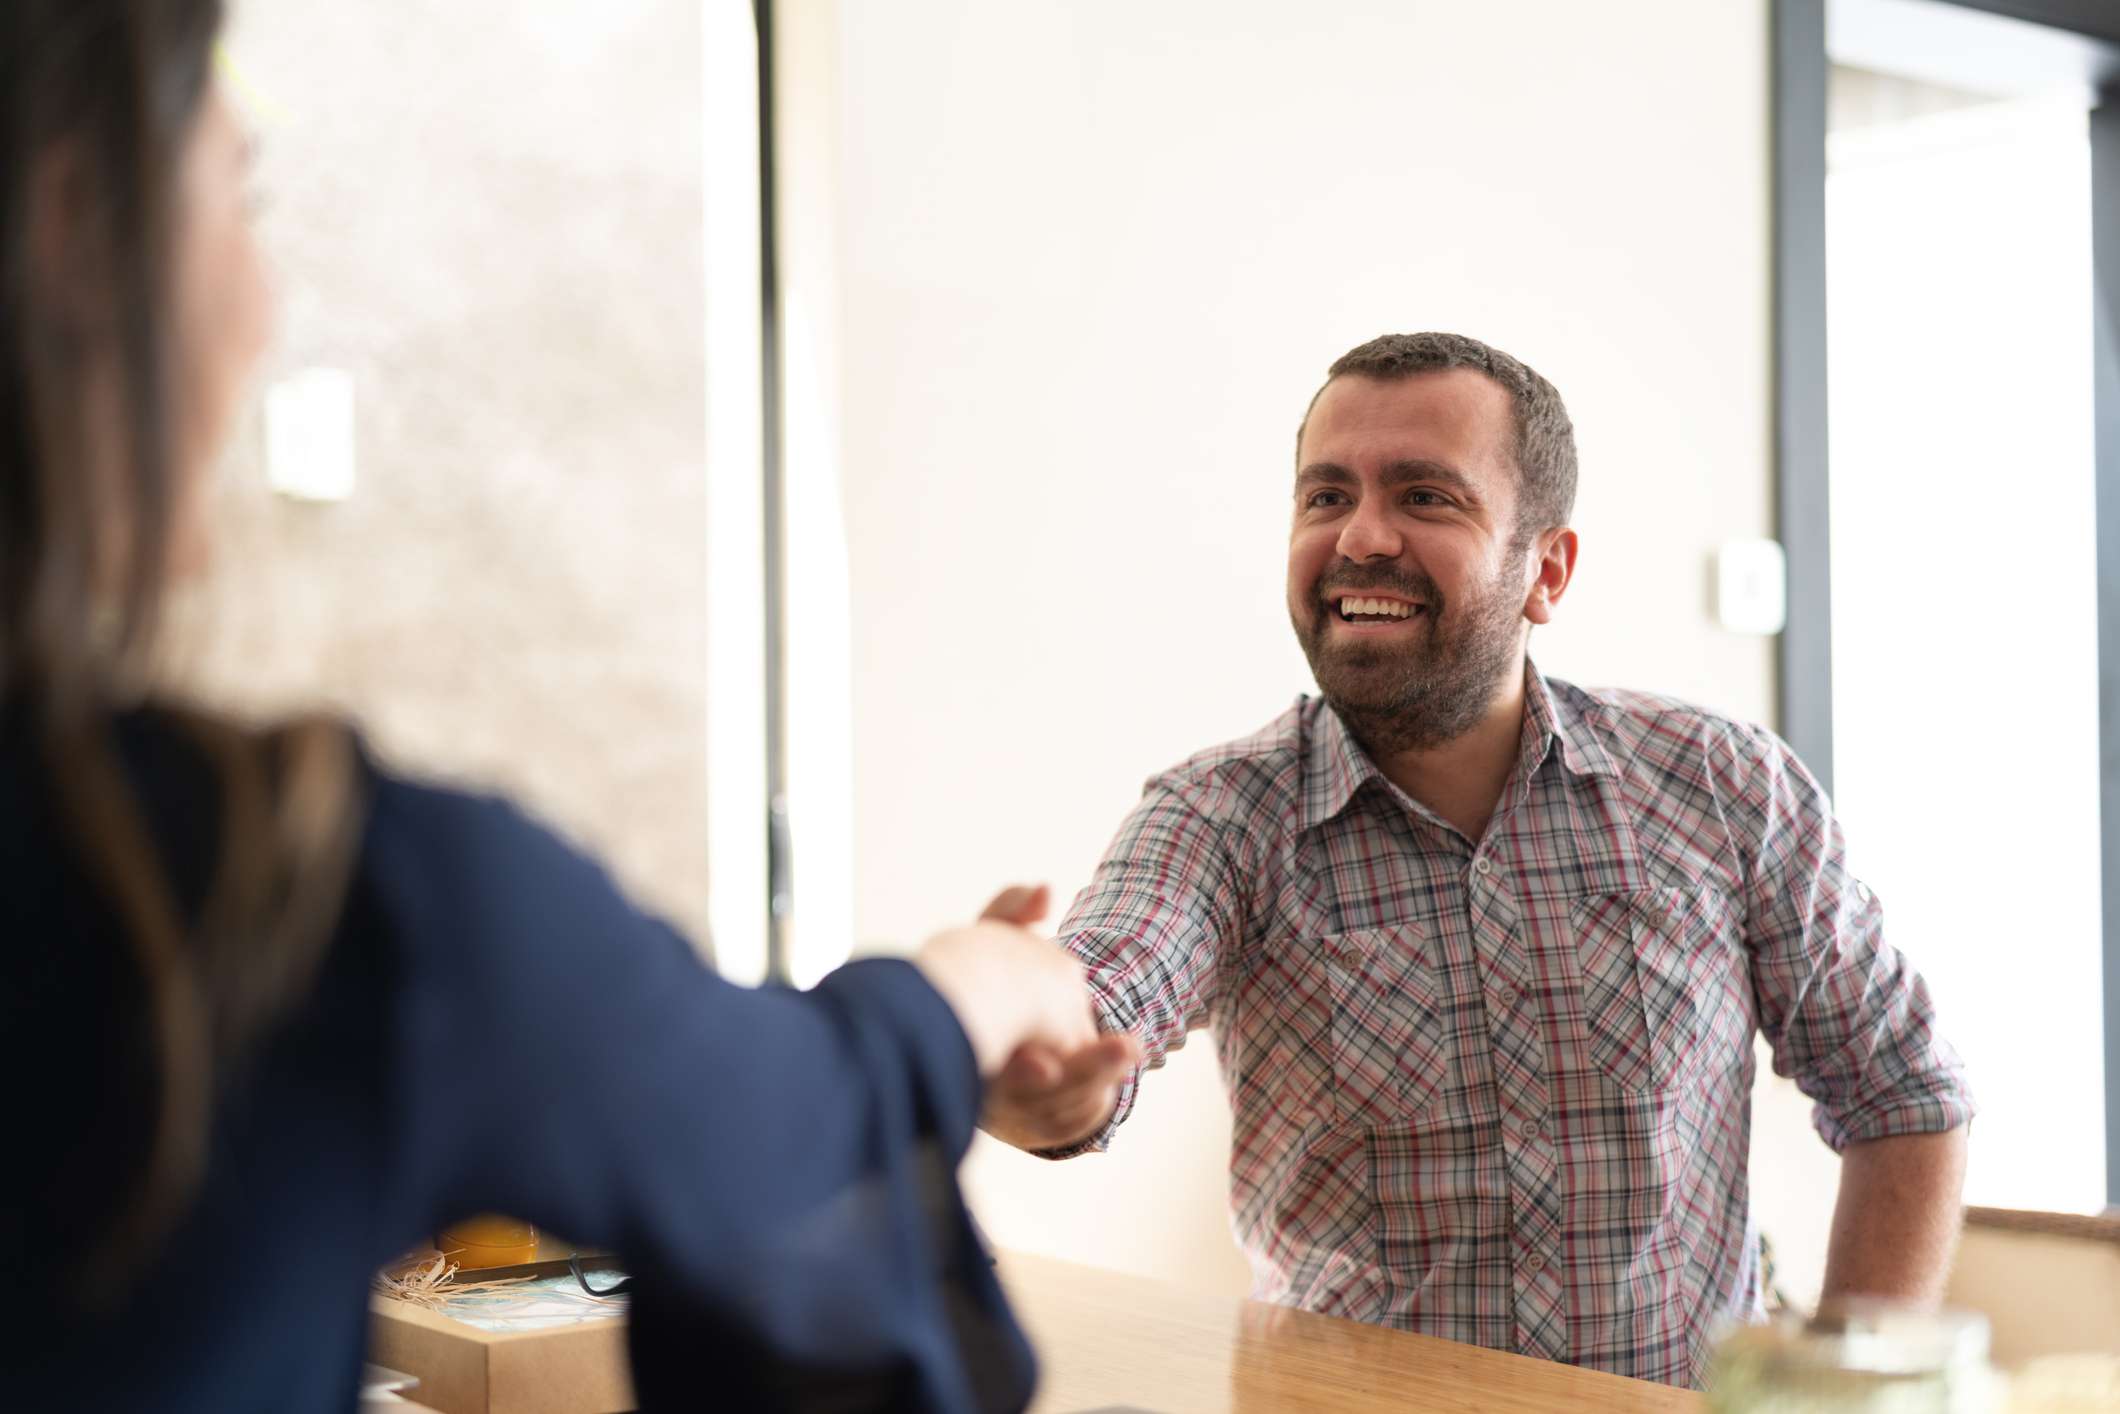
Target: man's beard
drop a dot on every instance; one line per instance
(1417, 695)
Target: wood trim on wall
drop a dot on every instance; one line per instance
(2098, 1227)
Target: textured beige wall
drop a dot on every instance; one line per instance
(489, 212)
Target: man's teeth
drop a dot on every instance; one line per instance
(1389, 608)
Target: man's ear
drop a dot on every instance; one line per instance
(1554, 569)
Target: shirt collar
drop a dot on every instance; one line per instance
(1337, 767)
(1552, 719)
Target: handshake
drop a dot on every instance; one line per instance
(1052, 1080)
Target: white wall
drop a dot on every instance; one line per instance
(1094, 257)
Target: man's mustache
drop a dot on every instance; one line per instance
(1405, 586)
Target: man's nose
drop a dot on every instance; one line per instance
(1370, 535)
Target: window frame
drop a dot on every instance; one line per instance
(1802, 472)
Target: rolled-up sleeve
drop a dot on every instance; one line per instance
(1848, 1017)
(1162, 910)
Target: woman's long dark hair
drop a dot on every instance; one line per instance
(98, 101)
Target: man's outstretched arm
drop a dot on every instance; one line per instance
(1896, 1223)
(1162, 910)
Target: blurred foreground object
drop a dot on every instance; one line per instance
(2067, 1384)
(1864, 1358)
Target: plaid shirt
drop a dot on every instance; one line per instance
(1500, 1091)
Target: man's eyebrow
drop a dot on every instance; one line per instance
(1400, 473)
(1325, 473)
(1407, 472)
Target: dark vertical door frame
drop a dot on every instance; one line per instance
(779, 862)
(2105, 283)
(1801, 66)
(1801, 472)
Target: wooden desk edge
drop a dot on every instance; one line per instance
(1050, 1277)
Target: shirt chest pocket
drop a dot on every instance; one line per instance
(1663, 984)
(1389, 1055)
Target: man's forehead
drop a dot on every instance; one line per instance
(1455, 415)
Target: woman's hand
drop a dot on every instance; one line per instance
(1051, 1091)
(1010, 989)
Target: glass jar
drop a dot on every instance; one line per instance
(1862, 1358)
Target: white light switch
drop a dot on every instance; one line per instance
(309, 435)
(1752, 586)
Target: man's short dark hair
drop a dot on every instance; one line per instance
(1545, 438)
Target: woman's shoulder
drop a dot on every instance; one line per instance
(423, 847)
(479, 893)
(146, 768)
(448, 840)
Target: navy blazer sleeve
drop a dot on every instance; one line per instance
(777, 1168)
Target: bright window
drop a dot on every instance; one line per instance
(1964, 605)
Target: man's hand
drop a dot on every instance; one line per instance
(1045, 1097)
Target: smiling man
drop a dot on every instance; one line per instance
(1484, 953)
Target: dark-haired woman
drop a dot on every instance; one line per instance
(272, 1013)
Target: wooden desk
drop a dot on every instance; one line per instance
(1108, 1339)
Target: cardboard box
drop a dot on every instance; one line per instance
(464, 1369)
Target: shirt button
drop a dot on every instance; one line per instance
(1483, 865)
(1505, 996)
(1529, 1128)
